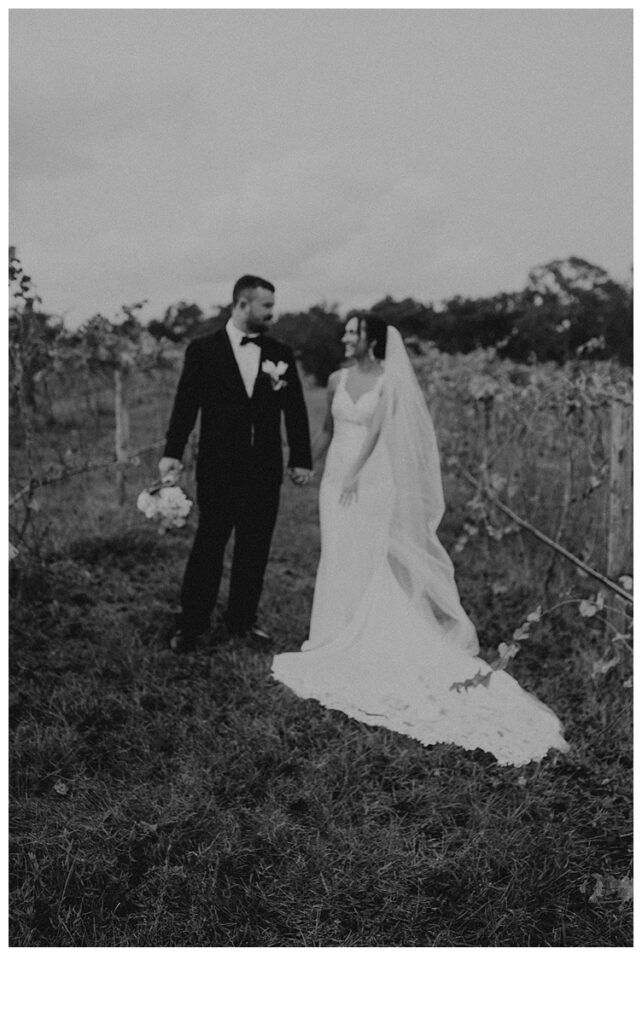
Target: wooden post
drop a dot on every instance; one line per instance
(486, 405)
(122, 432)
(620, 524)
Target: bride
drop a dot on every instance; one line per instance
(390, 643)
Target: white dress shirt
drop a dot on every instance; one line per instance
(247, 356)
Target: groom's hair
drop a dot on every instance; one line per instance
(376, 328)
(249, 283)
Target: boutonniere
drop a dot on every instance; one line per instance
(275, 372)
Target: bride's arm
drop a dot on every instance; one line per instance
(351, 482)
(323, 436)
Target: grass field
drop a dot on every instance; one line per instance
(194, 801)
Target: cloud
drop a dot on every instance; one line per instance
(395, 230)
(162, 153)
(317, 223)
(312, 216)
(53, 133)
(149, 216)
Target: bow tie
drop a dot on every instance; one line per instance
(246, 340)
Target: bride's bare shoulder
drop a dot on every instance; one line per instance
(333, 380)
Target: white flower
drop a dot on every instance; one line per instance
(147, 504)
(275, 372)
(168, 506)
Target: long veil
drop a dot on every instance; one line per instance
(417, 558)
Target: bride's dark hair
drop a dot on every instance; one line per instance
(376, 328)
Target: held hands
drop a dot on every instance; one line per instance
(169, 470)
(300, 477)
(350, 491)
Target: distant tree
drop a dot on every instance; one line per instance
(570, 306)
(618, 324)
(40, 336)
(315, 337)
(215, 322)
(121, 349)
(34, 338)
(408, 315)
(466, 324)
(181, 321)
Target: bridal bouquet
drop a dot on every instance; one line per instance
(166, 504)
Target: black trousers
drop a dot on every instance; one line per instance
(249, 509)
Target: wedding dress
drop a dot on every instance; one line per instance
(389, 642)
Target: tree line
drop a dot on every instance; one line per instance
(568, 309)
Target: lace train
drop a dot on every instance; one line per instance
(387, 669)
(371, 653)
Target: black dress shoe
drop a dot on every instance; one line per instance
(251, 633)
(258, 633)
(183, 642)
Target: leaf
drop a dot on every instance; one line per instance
(495, 532)
(536, 615)
(598, 891)
(628, 683)
(626, 582)
(479, 679)
(625, 889)
(507, 651)
(608, 886)
(601, 667)
(497, 482)
(587, 609)
(619, 637)
(522, 632)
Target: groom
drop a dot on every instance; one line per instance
(241, 379)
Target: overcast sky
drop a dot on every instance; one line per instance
(344, 154)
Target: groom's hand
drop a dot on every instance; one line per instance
(300, 477)
(169, 470)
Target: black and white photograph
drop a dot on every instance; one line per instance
(320, 437)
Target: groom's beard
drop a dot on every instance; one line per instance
(258, 327)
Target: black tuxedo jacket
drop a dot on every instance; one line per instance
(239, 435)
